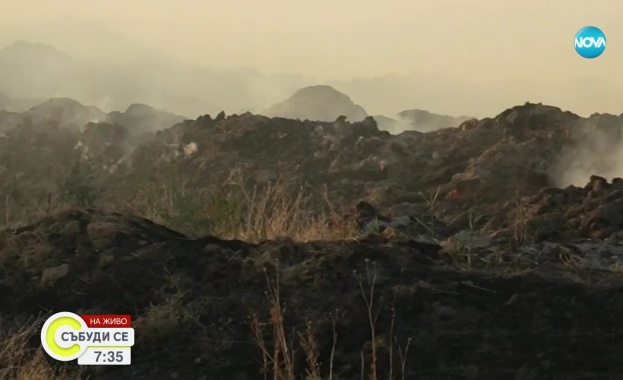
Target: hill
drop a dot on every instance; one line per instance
(322, 103)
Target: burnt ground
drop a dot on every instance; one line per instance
(483, 260)
(191, 301)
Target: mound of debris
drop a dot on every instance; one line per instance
(141, 118)
(322, 103)
(200, 303)
(65, 113)
(39, 148)
(455, 173)
(594, 211)
(357, 160)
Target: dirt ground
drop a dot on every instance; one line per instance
(192, 301)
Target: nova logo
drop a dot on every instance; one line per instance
(590, 42)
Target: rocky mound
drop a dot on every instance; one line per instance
(594, 211)
(197, 302)
(65, 113)
(40, 148)
(322, 103)
(471, 170)
(68, 113)
(141, 118)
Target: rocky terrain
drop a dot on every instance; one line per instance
(344, 251)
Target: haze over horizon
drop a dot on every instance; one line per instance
(445, 57)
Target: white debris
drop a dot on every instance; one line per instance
(190, 148)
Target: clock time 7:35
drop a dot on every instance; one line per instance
(109, 356)
(106, 356)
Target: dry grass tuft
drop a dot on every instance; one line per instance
(20, 361)
(236, 211)
(231, 210)
(519, 222)
(277, 349)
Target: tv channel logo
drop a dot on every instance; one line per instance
(590, 42)
(92, 339)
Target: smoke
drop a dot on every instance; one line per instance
(37, 71)
(596, 148)
(265, 91)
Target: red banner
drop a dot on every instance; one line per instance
(107, 320)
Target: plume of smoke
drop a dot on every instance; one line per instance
(596, 149)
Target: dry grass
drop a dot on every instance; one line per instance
(277, 356)
(231, 210)
(234, 211)
(278, 350)
(20, 361)
(162, 319)
(519, 222)
(275, 212)
(372, 314)
(26, 215)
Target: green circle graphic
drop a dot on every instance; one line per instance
(49, 336)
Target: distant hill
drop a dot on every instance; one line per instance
(425, 121)
(391, 125)
(66, 113)
(418, 120)
(141, 118)
(322, 103)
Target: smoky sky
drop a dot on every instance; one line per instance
(522, 50)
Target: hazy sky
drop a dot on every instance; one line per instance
(477, 40)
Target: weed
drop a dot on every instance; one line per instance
(431, 203)
(464, 244)
(279, 360)
(402, 353)
(371, 314)
(278, 353)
